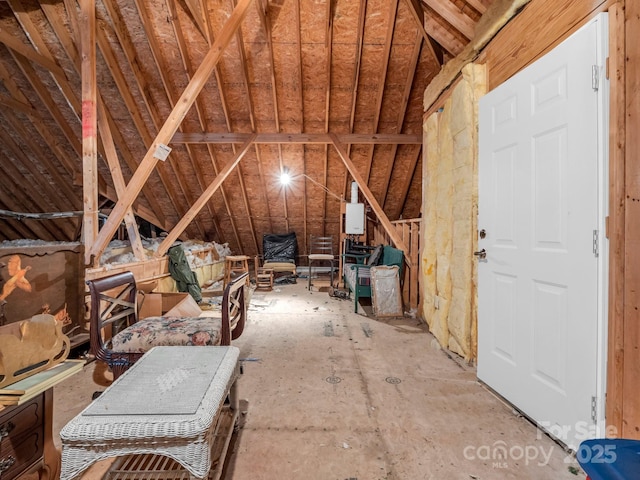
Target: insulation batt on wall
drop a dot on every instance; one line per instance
(450, 172)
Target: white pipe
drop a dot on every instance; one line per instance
(354, 192)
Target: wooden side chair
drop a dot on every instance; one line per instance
(321, 252)
(119, 338)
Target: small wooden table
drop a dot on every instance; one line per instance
(26, 419)
(168, 407)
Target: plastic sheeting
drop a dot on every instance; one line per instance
(280, 248)
(385, 291)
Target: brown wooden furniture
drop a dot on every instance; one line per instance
(264, 276)
(321, 251)
(235, 265)
(22, 448)
(114, 312)
(26, 433)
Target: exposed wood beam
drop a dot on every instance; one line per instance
(31, 149)
(449, 39)
(262, 8)
(371, 199)
(453, 15)
(362, 15)
(189, 69)
(33, 34)
(14, 104)
(204, 198)
(162, 68)
(616, 225)
(90, 224)
(384, 69)
(262, 12)
(478, 5)
(171, 125)
(197, 13)
(319, 138)
(252, 120)
(118, 181)
(418, 15)
(154, 213)
(49, 138)
(496, 17)
(400, 122)
(327, 110)
(29, 191)
(28, 52)
(301, 128)
(52, 107)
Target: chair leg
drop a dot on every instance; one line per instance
(309, 277)
(331, 266)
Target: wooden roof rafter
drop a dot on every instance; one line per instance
(384, 69)
(266, 27)
(415, 56)
(206, 195)
(362, 15)
(35, 151)
(165, 134)
(300, 90)
(18, 184)
(451, 41)
(329, 50)
(34, 37)
(418, 14)
(266, 23)
(454, 16)
(67, 41)
(199, 110)
(38, 182)
(245, 77)
(171, 95)
(48, 101)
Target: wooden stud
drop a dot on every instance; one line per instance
(616, 230)
(89, 125)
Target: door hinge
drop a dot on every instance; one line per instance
(595, 77)
(596, 243)
(594, 409)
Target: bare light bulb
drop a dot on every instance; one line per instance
(285, 178)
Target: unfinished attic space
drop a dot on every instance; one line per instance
(319, 239)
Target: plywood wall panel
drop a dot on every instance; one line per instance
(545, 24)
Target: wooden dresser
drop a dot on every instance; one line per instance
(26, 419)
(22, 437)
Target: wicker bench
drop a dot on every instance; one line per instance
(167, 416)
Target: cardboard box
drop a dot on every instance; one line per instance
(169, 304)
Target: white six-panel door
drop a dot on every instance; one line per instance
(539, 217)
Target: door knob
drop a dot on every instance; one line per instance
(481, 254)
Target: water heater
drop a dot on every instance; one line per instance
(354, 219)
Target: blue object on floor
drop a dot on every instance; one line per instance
(610, 459)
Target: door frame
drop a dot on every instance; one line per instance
(603, 159)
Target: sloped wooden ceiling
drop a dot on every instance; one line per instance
(294, 71)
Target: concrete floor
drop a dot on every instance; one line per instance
(332, 395)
